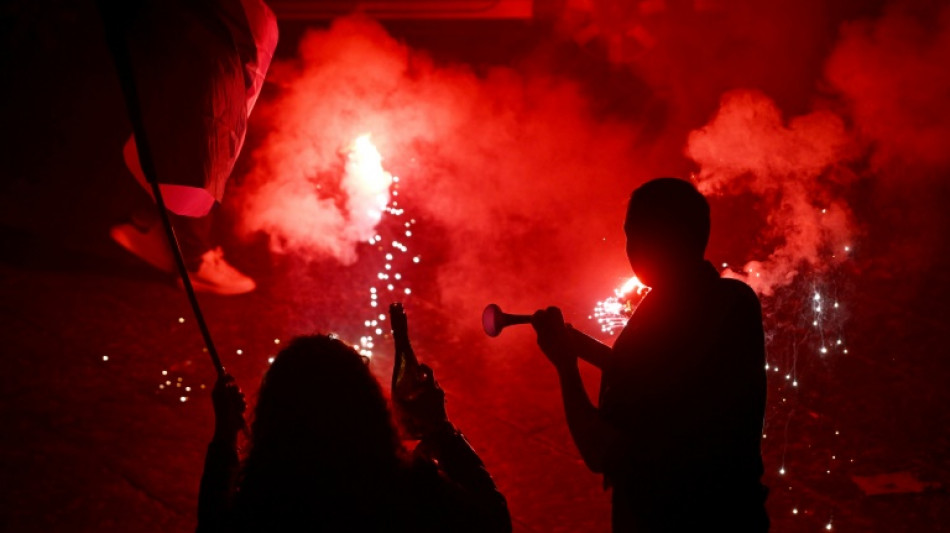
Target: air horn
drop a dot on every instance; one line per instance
(589, 349)
(494, 320)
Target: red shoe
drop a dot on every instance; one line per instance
(148, 244)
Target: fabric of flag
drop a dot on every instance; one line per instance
(199, 66)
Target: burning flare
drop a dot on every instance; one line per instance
(612, 313)
(366, 184)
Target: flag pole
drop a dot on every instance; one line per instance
(115, 40)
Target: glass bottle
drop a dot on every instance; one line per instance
(408, 376)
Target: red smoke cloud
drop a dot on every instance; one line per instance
(748, 148)
(893, 74)
(890, 82)
(512, 167)
(893, 78)
(692, 52)
(529, 185)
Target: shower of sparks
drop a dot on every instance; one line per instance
(612, 313)
(807, 321)
(822, 336)
(824, 320)
(390, 243)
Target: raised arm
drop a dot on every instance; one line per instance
(221, 460)
(477, 504)
(560, 343)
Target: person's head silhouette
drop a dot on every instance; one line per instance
(321, 435)
(319, 397)
(667, 229)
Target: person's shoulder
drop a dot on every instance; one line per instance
(738, 292)
(736, 286)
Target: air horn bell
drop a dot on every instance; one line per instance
(494, 320)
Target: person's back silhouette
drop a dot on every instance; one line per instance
(678, 427)
(325, 456)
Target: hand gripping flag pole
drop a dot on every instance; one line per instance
(115, 39)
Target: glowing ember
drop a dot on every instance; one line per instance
(174, 383)
(612, 313)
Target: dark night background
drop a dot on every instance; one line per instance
(94, 444)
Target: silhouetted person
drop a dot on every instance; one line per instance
(324, 455)
(678, 427)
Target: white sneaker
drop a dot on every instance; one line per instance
(148, 244)
(217, 276)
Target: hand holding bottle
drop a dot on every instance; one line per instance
(422, 411)
(418, 400)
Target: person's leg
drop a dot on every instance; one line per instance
(194, 236)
